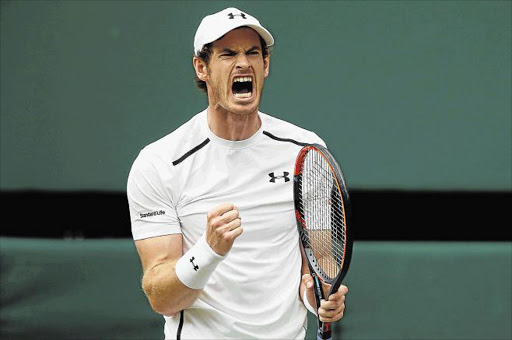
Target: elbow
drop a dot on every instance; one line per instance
(166, 297)
(159, 304)
(163, 309)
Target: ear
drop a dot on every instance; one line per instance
(266, 66)
(201, 68)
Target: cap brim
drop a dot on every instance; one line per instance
(269, 40)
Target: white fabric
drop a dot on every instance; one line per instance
(254, 291)
(214, 26)
(194, 268)
(307, 304)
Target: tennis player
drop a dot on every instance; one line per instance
(211, 203)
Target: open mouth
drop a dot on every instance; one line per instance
(242, 87)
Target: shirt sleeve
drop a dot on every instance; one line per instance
(152, 210)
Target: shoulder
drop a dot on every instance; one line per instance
(281, 130)
(172, 146)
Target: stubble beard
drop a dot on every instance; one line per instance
(215, 96)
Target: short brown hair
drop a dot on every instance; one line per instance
(206, 53)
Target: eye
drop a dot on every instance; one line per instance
(227, 54)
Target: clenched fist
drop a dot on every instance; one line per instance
(223, 226)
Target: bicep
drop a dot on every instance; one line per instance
(157, 250)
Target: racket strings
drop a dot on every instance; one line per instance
(324, 217)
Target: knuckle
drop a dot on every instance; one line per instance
(214, 222)
(228, 217)
(230, 207)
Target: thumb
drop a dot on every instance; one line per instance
(309, 294)
(307, 280)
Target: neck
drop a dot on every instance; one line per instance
(233, 126)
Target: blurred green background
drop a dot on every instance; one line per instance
(408, 94)
(90, 290)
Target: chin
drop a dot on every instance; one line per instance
(245, 107)
(244, 110)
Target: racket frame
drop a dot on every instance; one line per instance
(318, 275)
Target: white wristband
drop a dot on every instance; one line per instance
(306, 302)
(196, 266)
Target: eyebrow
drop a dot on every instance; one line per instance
(254, 48)
(228, 50)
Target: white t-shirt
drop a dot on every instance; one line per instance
(175, 181)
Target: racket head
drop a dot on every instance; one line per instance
(322, 210)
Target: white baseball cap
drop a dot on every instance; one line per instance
(214, 26)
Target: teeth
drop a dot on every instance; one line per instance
(242, 79)
(243, 95)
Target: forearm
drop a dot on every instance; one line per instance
(166, 293)
(173, 281)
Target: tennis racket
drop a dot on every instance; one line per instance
(322, 213)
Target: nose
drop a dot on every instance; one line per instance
(242, 62)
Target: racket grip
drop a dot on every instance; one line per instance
(324, 334)
(324, 329)
(319, 293)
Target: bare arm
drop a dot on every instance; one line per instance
(165, 292)
(159, 255)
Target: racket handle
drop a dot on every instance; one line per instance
(324, 331)
(324, 328)
(319, 337)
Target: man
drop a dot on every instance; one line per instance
(211, 203)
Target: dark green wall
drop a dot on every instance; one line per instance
(408, 94)
(90, 289)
